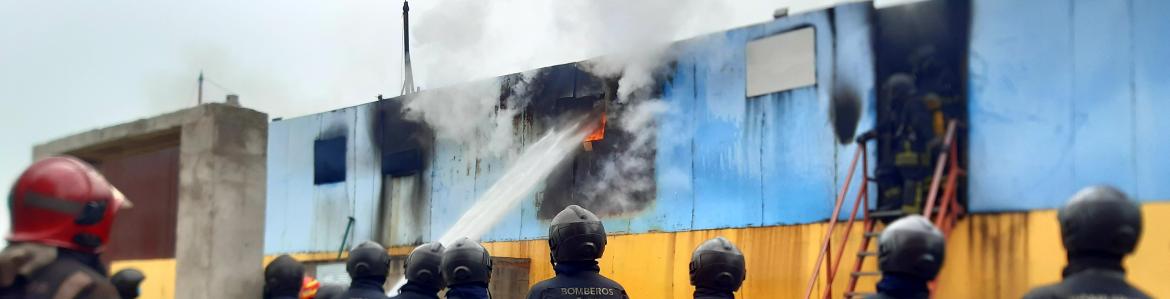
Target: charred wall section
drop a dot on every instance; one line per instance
(583, 179)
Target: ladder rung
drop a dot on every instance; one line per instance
(857, 294)
(873, 234)
(867, 253)
(887, 214)
(866, 273)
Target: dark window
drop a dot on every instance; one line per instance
(329, 160)
(402, 163)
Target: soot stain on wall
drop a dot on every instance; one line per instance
(405, 148)
(583, 179)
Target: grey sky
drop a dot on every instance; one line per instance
(71, 66)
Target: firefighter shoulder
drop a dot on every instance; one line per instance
(62, 212)
(330, 291)
(910, 255)
(424, 279)
(467, 270)
(576, 239)
(368, 265)
(1099, 227)
(717, 269)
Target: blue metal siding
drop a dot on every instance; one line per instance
(276, 222)
(453, 191)
(1102, 95)
(298, 208)
(332, 205)
(854, 73)
(1020, 112)
(799, 159)
(366, 179)
(1062, 95)
(727, 155)
(1151, 44)
(673, 209)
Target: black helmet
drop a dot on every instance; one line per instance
(911, 246)
(466, 262)
(283, 277)
(1100, 219)
(718, 264)
(576, 235)
(422, 266)
(127, 281)
(898, 87)
(368, 259)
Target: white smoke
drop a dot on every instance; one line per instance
(627, 42)
(464, 114)
(472, 114)
(635, 70)
(628, 173)
(639, 36)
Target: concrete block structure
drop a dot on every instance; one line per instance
(197, 177)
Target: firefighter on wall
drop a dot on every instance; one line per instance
(908, 135)
(62, 212)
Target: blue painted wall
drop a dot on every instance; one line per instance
(1065, 94)
(1061, 94)
(723, 160)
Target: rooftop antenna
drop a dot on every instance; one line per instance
(199, 100)
(408, 85)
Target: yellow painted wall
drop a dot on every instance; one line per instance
(780, 260)
(1005, 255)
(160, 277)
(988, 256)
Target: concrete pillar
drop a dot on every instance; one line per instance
(220, 230)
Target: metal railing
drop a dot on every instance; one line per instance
(825, 257)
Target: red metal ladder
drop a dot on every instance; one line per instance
(948, 212)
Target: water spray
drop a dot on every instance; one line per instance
(534, 164)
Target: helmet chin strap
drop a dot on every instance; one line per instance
(87, 240)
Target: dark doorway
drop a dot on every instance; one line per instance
(921, 47)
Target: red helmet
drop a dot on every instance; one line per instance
(63, 202)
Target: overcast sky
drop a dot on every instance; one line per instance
(72, 66)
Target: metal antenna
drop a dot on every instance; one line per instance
(199, 100)
(408, 85)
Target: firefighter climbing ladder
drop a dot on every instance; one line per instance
(944, 217)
